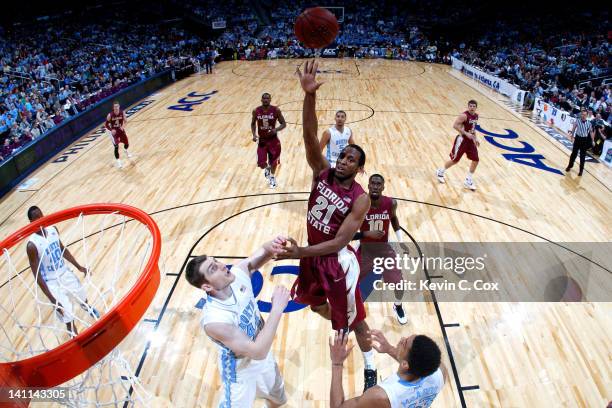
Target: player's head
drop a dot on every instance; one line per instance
(266, 98)
(205, 272)
(376, 185)
(340, 118)
(116, 107)
(418, 355)
(34, 213)
(472, 105)
(350, 162)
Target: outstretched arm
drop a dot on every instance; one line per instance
(324, 139)
(263, 255)
(314, 157)
(373, 397)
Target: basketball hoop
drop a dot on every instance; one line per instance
(59, 363)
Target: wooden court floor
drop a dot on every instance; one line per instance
(195, 172)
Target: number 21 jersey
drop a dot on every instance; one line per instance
(328, 205)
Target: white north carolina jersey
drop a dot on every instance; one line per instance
(241, 310)
(51, 260)
(417, 394)
(337, 142)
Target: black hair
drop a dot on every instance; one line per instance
(266, 93)
(192, 271)
(362, 155)
(376, 175)
(341, 111)
(116, 103)
(424, 356)
(472, 102)
(31, 212)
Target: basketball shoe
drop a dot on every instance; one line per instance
(272, 181)
(267, 173)
(469, 184)
(399, 314)
(440, 176)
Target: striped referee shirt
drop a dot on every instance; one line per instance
(583, 128)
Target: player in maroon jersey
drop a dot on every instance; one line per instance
(375, 229)
(269, 146)
(329, 270)
(465, 142)
(115, 124)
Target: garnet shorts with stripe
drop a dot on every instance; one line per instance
(268, 152)
(334, 279)
(464, 145)
(119, 137)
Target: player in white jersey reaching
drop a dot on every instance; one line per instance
(336, 138)
(46, 254)
(418, 380)
(231, 318)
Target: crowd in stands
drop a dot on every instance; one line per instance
(555, 67)
(49, 74)
(54, 71)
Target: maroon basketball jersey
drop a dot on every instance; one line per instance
(116, 120)
(471, 122)
(378, 219)
(328, 205)
(266, 120)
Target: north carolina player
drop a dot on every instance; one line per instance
(375, 229)
(329, 270)
(336, 138)
(465, 142)
(268, 143)
(231, 318)
(419, 378)
(46, 254)
(115, 124)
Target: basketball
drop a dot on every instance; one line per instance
(316, 27)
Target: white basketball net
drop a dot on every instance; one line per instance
(114, 250)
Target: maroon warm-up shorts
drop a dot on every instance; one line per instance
(334, 279)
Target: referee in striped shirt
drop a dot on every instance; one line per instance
(583, 136)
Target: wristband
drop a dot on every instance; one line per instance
(399, 235)
(358, 235)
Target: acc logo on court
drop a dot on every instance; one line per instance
(257, 282)
(523, 155)
(193, 98)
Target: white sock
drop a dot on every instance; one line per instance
(397, 303)
(469, 177)
(368, 360)
(441, 171)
